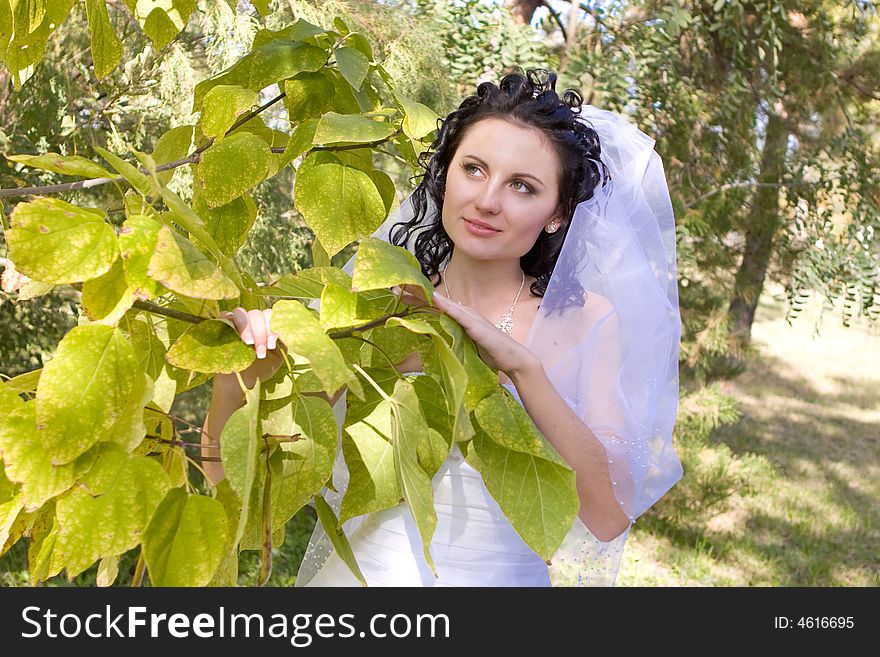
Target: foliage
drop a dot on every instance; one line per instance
(94, 461)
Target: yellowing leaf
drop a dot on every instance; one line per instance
(106, 46)
(55, 242)
(68, 165)
(107, 515)
(92, 390)
(223, 104)
(211, 347)
(340, 203)
(185, 542)
(180, 266)
(234, 166)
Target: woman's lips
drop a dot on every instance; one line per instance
(477, 229)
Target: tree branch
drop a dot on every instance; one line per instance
(189, 159)
(736, 185)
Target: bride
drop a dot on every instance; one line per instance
(517, 174)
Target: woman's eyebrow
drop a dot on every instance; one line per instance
(521, 174)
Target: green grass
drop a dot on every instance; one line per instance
(811, 408)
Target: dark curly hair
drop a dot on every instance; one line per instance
(528, 100)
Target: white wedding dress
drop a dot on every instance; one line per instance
(473, 545)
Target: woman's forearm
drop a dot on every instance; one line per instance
(225, 400)
(578, 446)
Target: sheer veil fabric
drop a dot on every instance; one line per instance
(614, 359)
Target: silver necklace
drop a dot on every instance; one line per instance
(506, 324)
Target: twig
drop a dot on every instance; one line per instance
(189, 159)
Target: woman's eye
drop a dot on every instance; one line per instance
(468, 167)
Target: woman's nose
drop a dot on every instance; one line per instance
(488, 199)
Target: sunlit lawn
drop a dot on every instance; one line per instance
(811, 407)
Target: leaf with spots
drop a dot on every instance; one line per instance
(107, 298)
(180, 266)
(211, 347)
(185, 542)
(107, 514)
(137, 243)
(93, 390)
(67, 165)
(26, 459)
(223, 105)
(234, 166)
(340, 203)
(53, 241)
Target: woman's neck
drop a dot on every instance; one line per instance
(484, 284)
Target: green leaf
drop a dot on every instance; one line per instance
(140, 181)
(279, 60)
(173, 145)
(337, 537)
(408, 427)
(212, 346)
(308, 462)
(452, 374)
(228, 224)
(42, 563)
(300, 141)
(164, 22)
(261, 6)
(482, 380)
(340, 307)
(350, 128)
(137, 243)
(107, 515)
(180, 266)
(369, 455)
(380, 265)
(92, 390)
(307, 95)
(106, 46)
(353, 65)
(185, 542)
(340, 203)
(55, 242)
(301, 332)
(223, 104)
(239, 451)
(25, 458)
(108, 297)
(434, 449)
(234, 166)
(539, 497)
(68, 165)
(395, 341)
(418, 120)
(307, 283)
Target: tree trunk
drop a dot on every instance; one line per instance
(761, 229)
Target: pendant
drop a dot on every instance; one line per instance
(506, 324)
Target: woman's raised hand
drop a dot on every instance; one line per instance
(253, 328)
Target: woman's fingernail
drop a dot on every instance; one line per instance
(272, 342)
(261, 351)
(248, 340)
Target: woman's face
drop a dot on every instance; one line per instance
(505, 176)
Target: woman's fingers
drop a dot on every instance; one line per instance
(259, 330)
(240, 319)
(272, 339)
